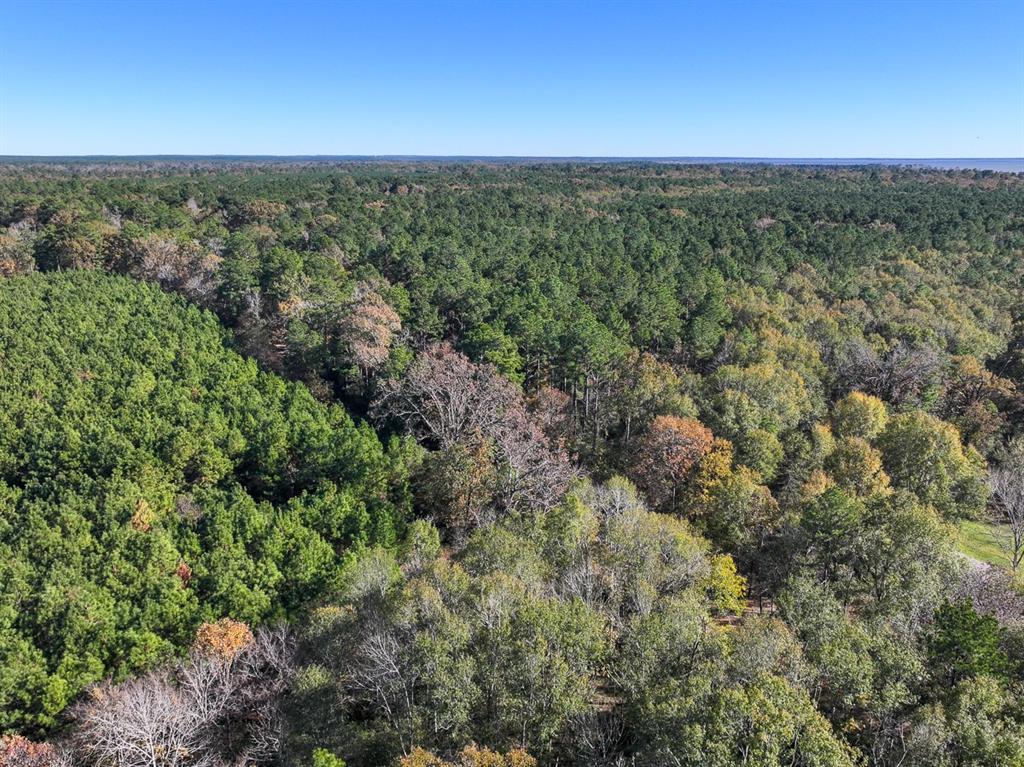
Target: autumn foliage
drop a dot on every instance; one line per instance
(223, 639)
(16, 751)
(471, 756)
(666, 455)
(369, 328)
(482, 579)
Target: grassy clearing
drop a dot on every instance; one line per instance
(981, 540)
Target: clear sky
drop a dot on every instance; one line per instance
(816, 79)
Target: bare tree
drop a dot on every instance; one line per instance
(598, 734)
(1007, 486)
(182, 266)
(900, 376)
(381, 674)
(615, 497)
(16, 250)
(992, 592)
(534, 475)
(144, 721)
(210, 710)
(444, 397)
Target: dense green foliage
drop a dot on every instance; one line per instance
(150, 479)
(694, 444)
(882, 280)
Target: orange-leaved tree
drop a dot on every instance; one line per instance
(666, 455)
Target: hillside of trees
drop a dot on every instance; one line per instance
(482, 465)
(152, 479)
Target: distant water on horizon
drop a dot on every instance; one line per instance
(1001, 164)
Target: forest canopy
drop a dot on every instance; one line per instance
(151, 479)
(479, 464)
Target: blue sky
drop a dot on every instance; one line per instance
(864, 79)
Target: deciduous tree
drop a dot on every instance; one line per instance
(666, 455)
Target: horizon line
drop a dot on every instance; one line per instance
(504, 156)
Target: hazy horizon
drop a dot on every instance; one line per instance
(999, 164)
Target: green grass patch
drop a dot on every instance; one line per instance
(982, 540)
